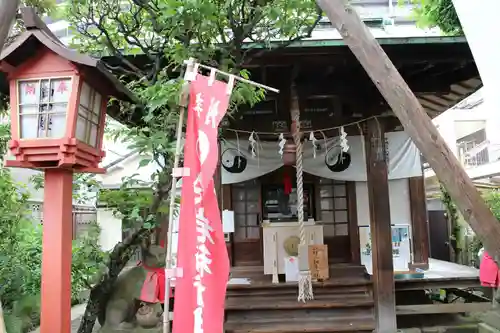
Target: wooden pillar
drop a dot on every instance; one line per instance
(353, 223)
(419, 223)
(380, 227)
(56, 252)
(415, 121)
(218, 179)
(227, 204)
(222, 192)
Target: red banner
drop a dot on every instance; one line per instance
(200, 293)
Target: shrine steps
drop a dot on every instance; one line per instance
(344, 303)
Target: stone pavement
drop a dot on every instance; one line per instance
(76, 315)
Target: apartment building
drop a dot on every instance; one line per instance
(471, 130)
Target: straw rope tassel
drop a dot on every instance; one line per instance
(305, 280)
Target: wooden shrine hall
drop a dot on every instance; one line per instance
(350, 203)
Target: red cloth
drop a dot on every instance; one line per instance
(153, 288)
(287, 183)
(488, 272)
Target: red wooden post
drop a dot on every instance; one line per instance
(56, 255)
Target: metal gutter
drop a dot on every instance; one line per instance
(382, 41)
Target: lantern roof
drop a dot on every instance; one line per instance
(37, 34)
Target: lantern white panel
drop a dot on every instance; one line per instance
(93, 135)
(81, 128)
(61, 90)
(84, 112)
(28, 109)
(28, 92)
(57, 120)
(85, 95)
(97, 103)
(89, 112)
(45, 91)
(29, 126)
(43, 105)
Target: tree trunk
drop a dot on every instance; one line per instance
(7, 17)
(91, 311)
(101, 292)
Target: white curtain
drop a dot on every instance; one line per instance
(404, 158)
(238, 164)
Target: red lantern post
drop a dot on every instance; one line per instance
(58, 102)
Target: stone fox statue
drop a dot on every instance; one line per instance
(136, 303)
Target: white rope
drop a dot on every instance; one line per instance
(305, 280)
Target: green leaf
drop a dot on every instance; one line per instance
(144, 162)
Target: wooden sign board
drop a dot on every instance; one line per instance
(320, 105)
(305, 124)
(266, 107)
(280, 126)
(318, 262)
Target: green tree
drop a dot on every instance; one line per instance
(492, 198)
(148, 42)
(438, 13)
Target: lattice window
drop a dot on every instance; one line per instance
(37, 212)
(333, 207)
(246, 206)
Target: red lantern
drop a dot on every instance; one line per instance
(58, 102)
(289, 157)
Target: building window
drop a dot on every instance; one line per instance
(246, 207)
(279, 206)
(333, 207)
(473, 149)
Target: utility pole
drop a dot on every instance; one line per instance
(7, 16)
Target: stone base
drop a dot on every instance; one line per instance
(485, 328)
(423, 266)
(491, 318)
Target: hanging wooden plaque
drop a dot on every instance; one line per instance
(280, 126)
(265, 107)
(320, 104)
(318, 262)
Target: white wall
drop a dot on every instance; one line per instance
(467, 127)
(399, 200)
(126, 168)
(435, 204)
(111, 229)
